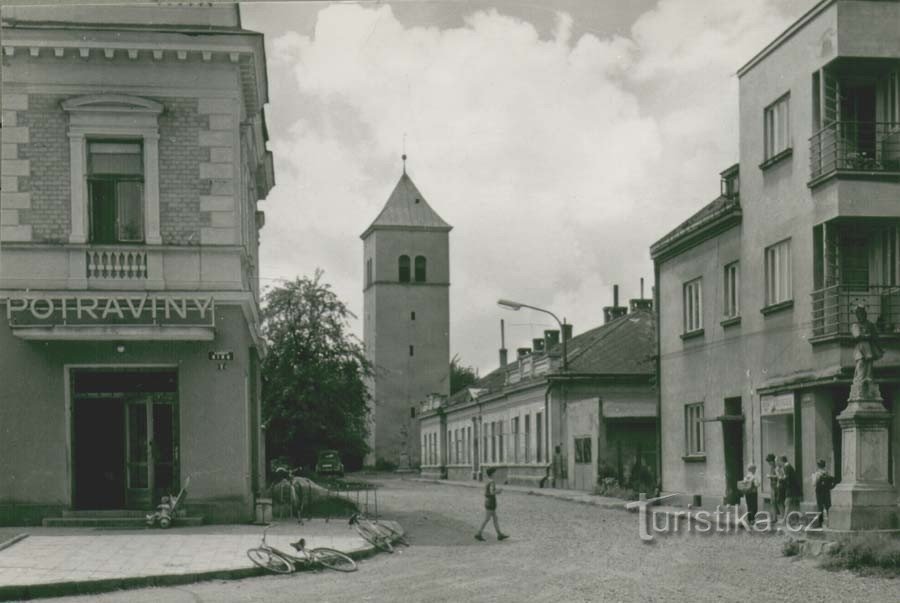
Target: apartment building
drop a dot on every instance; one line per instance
(758, 289)
(134, 155)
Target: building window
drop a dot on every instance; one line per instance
(412, 315)
(528, 438)
(493, 442)
(732, 304)
(500, 439)
(694, 441)
(412, 350)
(515, 437)
(403, 264)
(693, 306)
(116, 192)
(583, 450)
(777, 127)
(420, 268)
(778, 273)
(468, 444)
(369, 273)
(538, 432)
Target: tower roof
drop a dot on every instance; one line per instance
(407, 208)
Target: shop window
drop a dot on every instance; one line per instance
(420, 268)
(116, 192)
(403, 266)
(583, 450)
(778, 273)
(694, 438)
(693, 306)
(732, 303)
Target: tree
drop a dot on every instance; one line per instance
(461, 376)
(314, 372)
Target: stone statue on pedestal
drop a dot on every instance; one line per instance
(868, 351)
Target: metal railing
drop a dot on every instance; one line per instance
(855, 146)
(124, 264)
(833, 308)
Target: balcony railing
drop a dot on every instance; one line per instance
(833, 308)
(855, 146)
(123, 264)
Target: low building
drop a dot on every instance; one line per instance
(134, 154)
(600, 412)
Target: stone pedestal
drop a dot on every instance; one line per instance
(865, 499)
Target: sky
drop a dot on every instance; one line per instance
(559, 138)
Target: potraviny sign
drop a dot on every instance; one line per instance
(95, 310)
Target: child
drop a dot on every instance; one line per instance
(823, 482)
(776, 475)
(750, 489)
(490, 505)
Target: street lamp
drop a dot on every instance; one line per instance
(512, 305)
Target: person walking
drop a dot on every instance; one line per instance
(490, 506)
(749, 487)
(792, 491)
(822, 482)
(776, 475)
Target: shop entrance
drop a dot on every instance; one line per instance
(124, 438)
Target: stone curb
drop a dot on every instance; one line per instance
(88, 587)
(8, 543)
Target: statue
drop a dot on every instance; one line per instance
(868, 351)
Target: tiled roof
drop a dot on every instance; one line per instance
(625, 346)
(407, 207)
(712, 211)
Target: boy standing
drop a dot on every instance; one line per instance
(490, 505)
(823, 482)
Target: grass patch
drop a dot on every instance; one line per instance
(868, 555)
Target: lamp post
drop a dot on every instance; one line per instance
(512, 305)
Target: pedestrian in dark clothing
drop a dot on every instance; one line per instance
(822, 482)
(792, 490)
(749, 487)
(490, 506)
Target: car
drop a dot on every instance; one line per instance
(329, 463)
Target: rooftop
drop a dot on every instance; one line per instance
(407, 208)
(720, 213)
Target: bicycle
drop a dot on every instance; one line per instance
(292, 482)
(280, 562)
(381, 536)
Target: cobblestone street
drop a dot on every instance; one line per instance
(559, 551)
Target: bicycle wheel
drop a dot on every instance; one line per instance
(375, 538)
(392, 534)
(333, 559)
(268, 560)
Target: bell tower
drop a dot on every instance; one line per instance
(406, 320)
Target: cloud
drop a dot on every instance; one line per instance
(558, 160)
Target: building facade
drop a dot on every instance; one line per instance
(758, 289)
(406, 318)
(133, 160)
(600, 413)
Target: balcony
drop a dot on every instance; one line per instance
(855, 149)
(127, 263)
(833, 309)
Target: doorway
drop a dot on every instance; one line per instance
(733, 442)
(124, 438)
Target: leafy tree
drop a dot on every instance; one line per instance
(314, 372)
(461, 376)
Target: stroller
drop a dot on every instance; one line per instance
(167, 508)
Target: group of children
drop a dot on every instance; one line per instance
(786, 489)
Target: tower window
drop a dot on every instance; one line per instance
(412, 315)
(412, 350)
(404, 268)
(420, 268)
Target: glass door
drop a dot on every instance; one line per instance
(152, 450)
(137, 445)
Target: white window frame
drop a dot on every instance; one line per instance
(731, 304)
(778, 272)
(694, 430)
(112, 116)
(692, 299)
(777, 126)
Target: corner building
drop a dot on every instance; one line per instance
(406, 322)
(133, 159)
(758, 289)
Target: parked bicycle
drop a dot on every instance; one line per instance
(280, 562)
(379, 535)
(293, 484)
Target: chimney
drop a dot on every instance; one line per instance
(614, 311)
(502, 344)
(567, 332)
(641, 304)
(537, 345)
(522, 352)
(551, 338)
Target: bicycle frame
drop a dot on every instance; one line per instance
(290, 557)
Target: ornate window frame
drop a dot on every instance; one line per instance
(113, 116)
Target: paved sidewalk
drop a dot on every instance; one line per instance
(52, 562)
